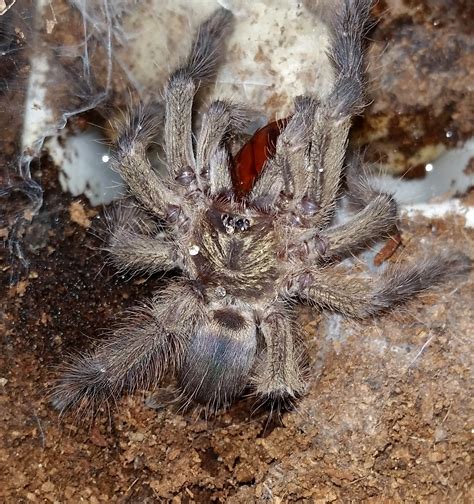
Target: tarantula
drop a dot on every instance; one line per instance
(248, 244)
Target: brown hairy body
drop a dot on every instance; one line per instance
(225, 323)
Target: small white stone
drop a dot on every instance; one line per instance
(220, 292)
(193, 250)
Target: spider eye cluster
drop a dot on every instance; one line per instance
(233, 223)
(186, 177)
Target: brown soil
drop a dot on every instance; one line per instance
(387, 418)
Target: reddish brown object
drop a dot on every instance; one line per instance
(249, 161)
(388, 249)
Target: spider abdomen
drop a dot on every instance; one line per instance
(219, 357)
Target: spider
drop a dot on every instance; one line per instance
(251, 233)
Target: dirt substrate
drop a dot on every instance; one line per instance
(387, 417)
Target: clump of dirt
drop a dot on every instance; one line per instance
(386, 418)
(420, 59)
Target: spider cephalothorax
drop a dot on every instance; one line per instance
(248, 239)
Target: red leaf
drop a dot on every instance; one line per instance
(250, 160)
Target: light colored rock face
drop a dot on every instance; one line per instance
(420, 70)
(276, 51)
(420, 66)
